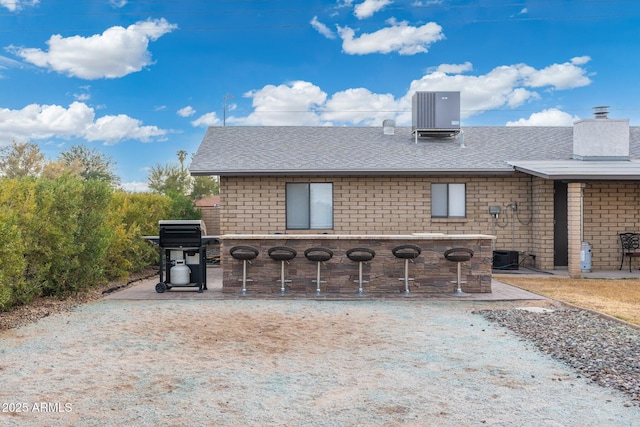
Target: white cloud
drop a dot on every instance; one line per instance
(209, 119)
(344, 3)
(82, 97)
(506, 85)
(559, 76)
(359, 107)
(368, 8)
(118, 3)
(519, 96)
(398, 37)
(580, 60)
(549, 117)
(135, 187)
(78, 120)
(16, 5)
(187, 111)
(322, 29)
(303, 103)
(115, 53)
(6, 63)
(288, 104)
(455, 68)
(114, 129)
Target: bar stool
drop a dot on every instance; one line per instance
(282, 254)
(318, 255)
(360, 255)
(245, 254)
(458, 255)
(407, 253)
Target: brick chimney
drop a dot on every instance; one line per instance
(601, 138)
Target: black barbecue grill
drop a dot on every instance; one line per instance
(182, 244)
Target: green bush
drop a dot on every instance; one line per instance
(12, 282)
(65, 244)
(132, 216)
(58, 236)
(17, 206)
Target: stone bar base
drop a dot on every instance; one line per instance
(431, 272)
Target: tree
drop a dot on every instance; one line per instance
(54, 170)
(168, 178)
(21, 159)
(95, 165)
(176, 179)
(182, 155)
(204, 186)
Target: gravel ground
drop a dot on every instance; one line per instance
(605, 351)
(299, 363)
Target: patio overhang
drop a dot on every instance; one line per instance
(580, 170)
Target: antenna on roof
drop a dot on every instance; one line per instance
(224, 108)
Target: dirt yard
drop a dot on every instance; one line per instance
(288, 363)
(618, 298)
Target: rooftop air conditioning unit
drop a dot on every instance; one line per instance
(436, 114)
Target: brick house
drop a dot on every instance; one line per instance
(554, 187)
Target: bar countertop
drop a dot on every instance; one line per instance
(414, 236)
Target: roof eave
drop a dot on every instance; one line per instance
(357, 172)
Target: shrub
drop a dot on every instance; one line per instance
(16, 208)
(58, 236)
(132, 216)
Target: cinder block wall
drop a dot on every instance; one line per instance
(397, 205)
(543, 223)
(609, 208)
(400, 205)
(211, 217)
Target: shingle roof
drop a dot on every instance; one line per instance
(273, 150)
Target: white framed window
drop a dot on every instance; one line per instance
(448, 200)
(309, 205)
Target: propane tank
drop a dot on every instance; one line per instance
(180, 273)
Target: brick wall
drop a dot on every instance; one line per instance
(431, 272)
(609, 208)
(543, 222)
(211, 218)
(400, 205)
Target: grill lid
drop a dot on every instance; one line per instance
(181, 233)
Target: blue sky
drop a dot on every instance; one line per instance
(139, 80)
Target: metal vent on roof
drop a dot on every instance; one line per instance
(601, 112)
(389, 127)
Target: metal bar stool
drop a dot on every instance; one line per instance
(459, 255)
(282, 254)
(407, 253)
(245, 254)
(360, 255)
(318, 255)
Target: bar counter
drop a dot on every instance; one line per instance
(430, 271)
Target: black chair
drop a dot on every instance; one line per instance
(630, 245)
(283, 254)
(458, 255)
(245, 254)
(360, 255)
(407, 253)
(318, 255)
